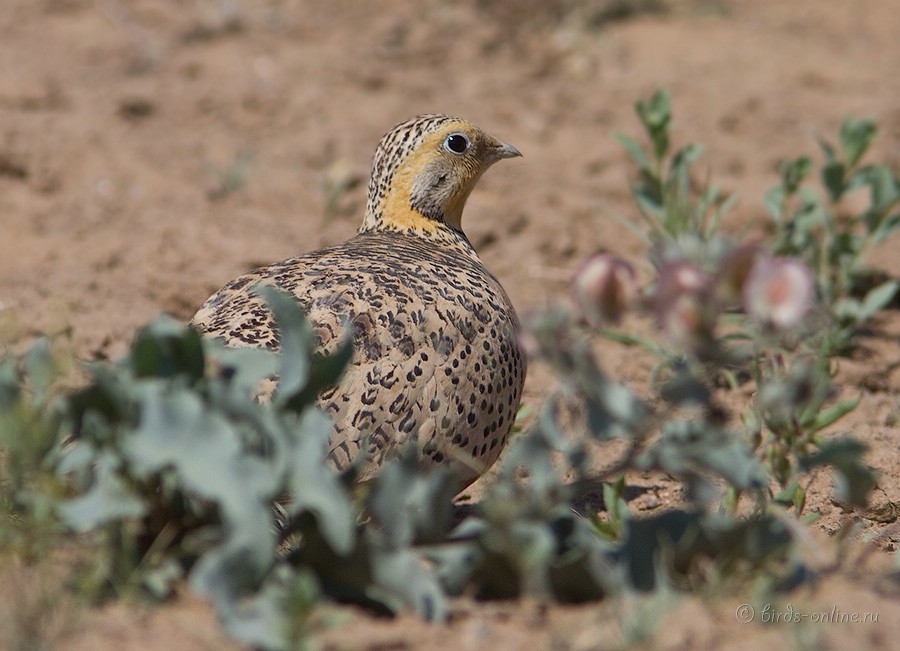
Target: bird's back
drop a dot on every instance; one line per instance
(434, 344)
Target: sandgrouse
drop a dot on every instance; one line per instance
(435, 353)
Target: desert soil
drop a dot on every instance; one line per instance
(152, 150)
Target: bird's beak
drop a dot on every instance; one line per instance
(504, 151)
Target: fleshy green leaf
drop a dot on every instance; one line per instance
(176, 430)
(794, 172)
(166, 348)
(401, 578)
(10, 383)
(856, 136)
(774, 201)
(832, 414)
(833, 174)
(314, 486)
(883, 185)
(455, 563)
(410, 505)
(228, 571)
(685, 446)
(246, 367)
(296, 338)
(633, 148)
(108, 499)
(888, 227)
(40, 368)
(656, 115)
(878, 298)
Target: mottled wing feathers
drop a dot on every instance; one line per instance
(434, 345)
(239, 315)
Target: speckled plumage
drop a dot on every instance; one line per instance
(434, 334)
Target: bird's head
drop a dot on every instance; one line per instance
(423, 172)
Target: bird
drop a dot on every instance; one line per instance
(436, 356)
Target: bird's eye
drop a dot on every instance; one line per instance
(457, 143)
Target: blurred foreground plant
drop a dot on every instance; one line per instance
(729, 312)
(30, 421)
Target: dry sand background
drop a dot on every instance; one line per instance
(152, 150)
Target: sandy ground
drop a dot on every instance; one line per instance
(152, 150)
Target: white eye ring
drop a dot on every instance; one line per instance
(457, 143)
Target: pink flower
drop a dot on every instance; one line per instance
(779, 291)
(604, 288)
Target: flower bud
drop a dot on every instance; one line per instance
(733, 272)
(604, 288)
(681, 303)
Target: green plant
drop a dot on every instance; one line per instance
(31, 416)
(682, 220)
(730, 311)
(834, 241)
(176, 467)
